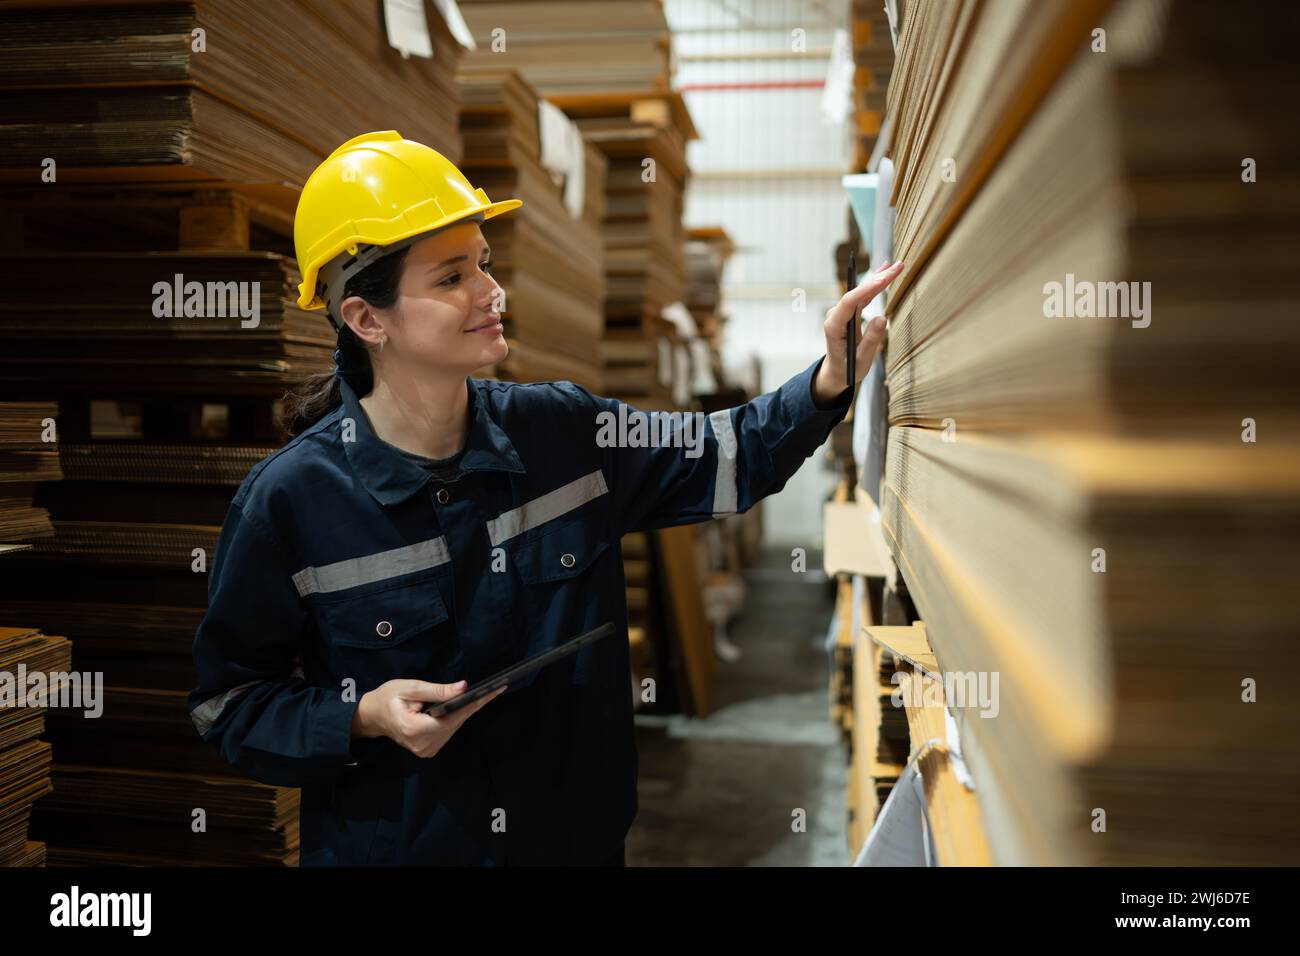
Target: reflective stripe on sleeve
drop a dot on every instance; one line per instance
(206, 714)
(726, 493)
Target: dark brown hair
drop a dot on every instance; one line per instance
(318, 395)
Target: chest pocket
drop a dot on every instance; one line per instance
(561, 577)
(399, 631)
(560, 554)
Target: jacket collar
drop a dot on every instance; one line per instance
(391, 478)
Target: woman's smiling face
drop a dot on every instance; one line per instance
(447, 317)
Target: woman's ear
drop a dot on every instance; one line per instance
(361, 319)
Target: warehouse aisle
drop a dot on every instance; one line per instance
(722, 791)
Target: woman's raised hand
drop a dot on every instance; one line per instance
(831, 377)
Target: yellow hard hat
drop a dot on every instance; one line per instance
(377, 190)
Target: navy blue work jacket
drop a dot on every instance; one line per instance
(342, 564)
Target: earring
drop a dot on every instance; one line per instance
(381, 343)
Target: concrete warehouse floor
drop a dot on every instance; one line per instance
(721, 791)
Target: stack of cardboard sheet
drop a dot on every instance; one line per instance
(137, 608)
(879, 741)
(643, 217)
(883, 732)
(233, 89)
(28, 454)
(147, 818)
(1092, 480)
(952, 813)
(547, 256)
(841, 677)
(181, 132)
(607, 67)
(873, 61)
(860, 687)
(26, 457)
(917, 698)
(28, 659)
(168, 321)
(707, 250)
(590, 47)
(645, 264)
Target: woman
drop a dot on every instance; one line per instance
(424, 529)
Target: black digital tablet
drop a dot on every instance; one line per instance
(516, 671)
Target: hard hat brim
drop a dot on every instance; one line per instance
(381, 233)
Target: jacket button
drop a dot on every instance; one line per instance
(567, 560)
(443, 496)
(383, 629)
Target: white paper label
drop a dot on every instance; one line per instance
(407, 28)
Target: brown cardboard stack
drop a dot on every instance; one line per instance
(952, 812)
(707, 250)
(135, 327)
(879, 743)
(28, 454)
(1092, 482)
(645, 264)
(234, 90)
(26, 657)
(549, 262)
(861, 675)
(610, 73)
(182, 162)
(873, 58)
(140, 598)
(571, 47)
(26, 457)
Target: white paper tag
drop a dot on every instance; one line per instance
(407, 28)
(456, 23)
(562, 154)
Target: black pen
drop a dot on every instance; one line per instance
(853, 320)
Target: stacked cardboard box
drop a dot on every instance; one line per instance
(611, 74)
(707, 250)
(28, 661)
(549, 261)
(1092, 481)
(873, 60)
(177, 163)
(28, 454)
(589, 47)
(234, 90)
